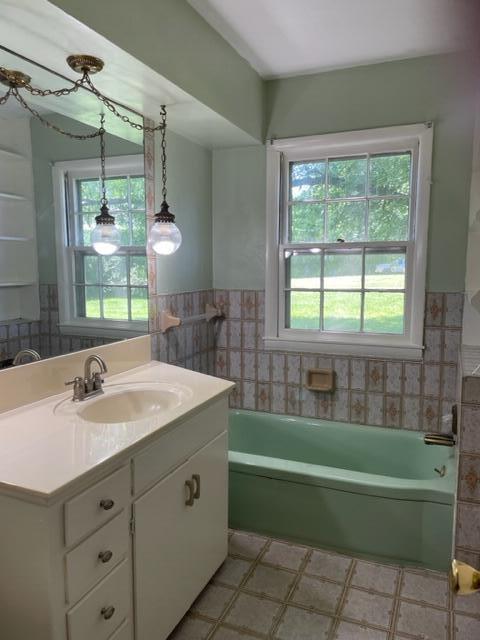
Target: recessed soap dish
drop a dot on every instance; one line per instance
(321, 380)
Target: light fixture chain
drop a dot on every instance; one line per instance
(55, 92)
(163, 125)
(4, 98)
(50, 125)
(102, 158)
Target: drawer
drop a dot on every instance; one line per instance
(124, 633)
(96, 556)
(177, 445)
(104, 609)
(96, 505)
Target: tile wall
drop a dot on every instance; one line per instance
(192, 344)
(44, 336)
(468, 505)
(393, 393)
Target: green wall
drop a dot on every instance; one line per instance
(48, 147)
(174, 40)
(189, 183)
(437, 88)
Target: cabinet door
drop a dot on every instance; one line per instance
(178, 546)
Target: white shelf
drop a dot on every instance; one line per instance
(12, 154)
(16, 284)
(16, 238)
(11, 196)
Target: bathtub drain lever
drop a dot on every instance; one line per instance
(442, 471)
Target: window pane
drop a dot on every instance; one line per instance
(89, 195)
(139, 226)
(390, 174)
(343, 270)
(347, 177)
(90, 265)
(91, 301)
(384, 312)
(137, 192)
(138, 270)
(346, 220)
(388, 219)
(303, 270)
(307, 222)
(117, 193)
(384, 270)
(341, 311)
(139, 304)
(114, 270)
(122, 222)
(307, 180)
(86, 224)
(303, 310)
(115, 303)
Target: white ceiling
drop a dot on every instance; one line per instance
(285, 37)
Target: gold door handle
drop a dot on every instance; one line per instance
(190, 486)
(196, 480)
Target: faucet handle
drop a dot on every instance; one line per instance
(75, 381)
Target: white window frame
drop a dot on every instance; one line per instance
(64, 175)
(418, 139)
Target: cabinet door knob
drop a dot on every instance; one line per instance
(190, 485)
(196, 480)
(107, 504)
(105, 556)
(107, 612)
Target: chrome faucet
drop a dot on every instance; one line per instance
(26, 353)
(91, 383)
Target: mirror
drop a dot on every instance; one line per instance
(56, 294)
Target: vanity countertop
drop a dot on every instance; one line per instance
(46, 446)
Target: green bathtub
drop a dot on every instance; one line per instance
(369, 491)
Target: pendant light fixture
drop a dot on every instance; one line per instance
(164, 237)
(105, 236)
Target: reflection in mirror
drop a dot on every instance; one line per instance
(56, 294)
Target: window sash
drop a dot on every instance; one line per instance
(414, 138)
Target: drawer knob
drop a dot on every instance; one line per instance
(107, 612)
(107, 504)
(105, 556)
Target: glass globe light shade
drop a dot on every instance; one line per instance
(106, 239)
(164, 238)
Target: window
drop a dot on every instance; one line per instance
(347, 226)
(101, 294)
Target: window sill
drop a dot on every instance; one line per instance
(404, 351)
(120, 330)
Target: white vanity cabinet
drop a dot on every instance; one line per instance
(121, 556)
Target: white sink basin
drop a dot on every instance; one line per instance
(122, 403)
(129, 406)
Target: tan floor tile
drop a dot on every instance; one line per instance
(285, 555)
(466, 628)
(246, 545)
(270, 581)
(317, 594)
(298, 624)
(376, 577)
(423, 622)
(351, 631)
(191, 629)
(328, 565)
(213, 601)
(425, 588)
(368, 608)
(233, 571)
(253, 614)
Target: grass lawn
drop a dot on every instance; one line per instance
(117, 308)
(384, 310)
